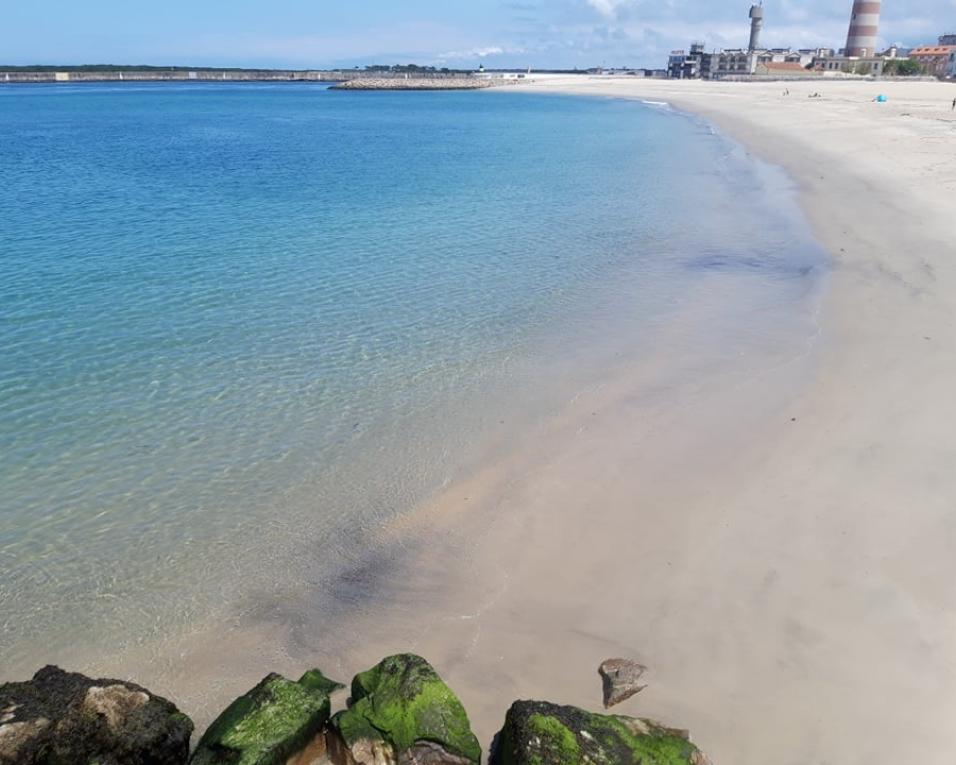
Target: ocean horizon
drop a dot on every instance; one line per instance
(245, 327)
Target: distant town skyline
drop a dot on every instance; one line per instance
(498, 33)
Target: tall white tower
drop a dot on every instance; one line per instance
(864, 27)
(756, 24)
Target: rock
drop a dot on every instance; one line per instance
(536, 732)
(402, 713)
(62, 718)
(316, 753)
(23, 741)
(314, 680)
(419, 83)
(272, 723)
(620, 678)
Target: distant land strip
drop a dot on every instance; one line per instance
(109, 73)
(421, 83)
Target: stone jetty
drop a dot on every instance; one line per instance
(418, 83)
(418, 80)
(399, 712)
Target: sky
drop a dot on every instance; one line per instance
(498, 33)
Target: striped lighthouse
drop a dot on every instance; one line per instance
(864, 26)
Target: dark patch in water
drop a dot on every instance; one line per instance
(750, 264)
(362, 583)
(377, 575)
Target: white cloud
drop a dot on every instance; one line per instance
(546, 33)
(477, 52)
(607, 8)
(492, 50)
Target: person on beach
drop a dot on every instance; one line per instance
(954, 106)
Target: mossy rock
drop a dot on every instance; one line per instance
(275, 720)
(65, 718)
(539, 733)
(314, 680)
(401, 711)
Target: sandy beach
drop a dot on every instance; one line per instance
(775, 541)
(791, 591)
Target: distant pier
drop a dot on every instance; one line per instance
(424, 80)
(417, 83)
(167, 75)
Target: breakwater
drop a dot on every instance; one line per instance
(51, 75)
(171, 75)
(419, 83)
(399, 711)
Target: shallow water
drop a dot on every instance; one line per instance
(244, 326)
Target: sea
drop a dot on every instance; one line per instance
(245, 327)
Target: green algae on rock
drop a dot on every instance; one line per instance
(402, 712)
(314, 680)
(540, 733)
(272, 722)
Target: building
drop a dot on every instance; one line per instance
(817, 53)
(935, 59)
(783, 70)
(868, 65)
(859, 57)
(735, 63)
(864, 28)
(828, 62)
(682, 65)
(732, 63)
(779, 62)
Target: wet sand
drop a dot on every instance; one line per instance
(778, 546)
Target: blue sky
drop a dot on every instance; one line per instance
(317, 33)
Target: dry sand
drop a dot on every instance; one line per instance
(777, 544)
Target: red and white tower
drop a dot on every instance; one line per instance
(864, 27)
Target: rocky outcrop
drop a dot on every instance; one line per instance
(64, 718)
(272, 723)
(536, 732)
(402, 713)
(621, 680)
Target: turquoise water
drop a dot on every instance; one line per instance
(239, 323)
